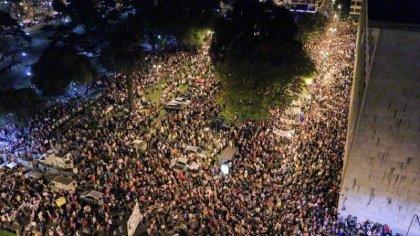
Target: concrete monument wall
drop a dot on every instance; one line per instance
(381, 177)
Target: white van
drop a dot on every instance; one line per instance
(62, 183)
(61, 162)
(138, 145)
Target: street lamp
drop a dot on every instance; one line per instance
(339, 10)
(157, 68)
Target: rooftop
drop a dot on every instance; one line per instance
(62, 180)
(396, 11)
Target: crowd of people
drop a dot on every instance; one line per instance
(276, 186)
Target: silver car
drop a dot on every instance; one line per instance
(92, 197)
(196, 150)
(185, 164)
(181, 100)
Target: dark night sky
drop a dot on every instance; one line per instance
(399, 11)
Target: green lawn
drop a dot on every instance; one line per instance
(154, 93)
(6, 233)
(183, 88)
(308, 79)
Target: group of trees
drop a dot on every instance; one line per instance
(12, 41)
(186, 20)
(22, 103)
(255, 45)
(26, 8)
(258, 57)
(62, 65)
(113, 32)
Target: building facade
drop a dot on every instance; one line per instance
(304, 5)
(355, 8)
(381, 173)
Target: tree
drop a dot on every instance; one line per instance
(91, 24)
(124, 54)
(23, 103)
(12, 41)
(259, 60)
(16, 8)
(58, 67)
(310, 24)
(59, 6)
(186, 20)
(85, 13)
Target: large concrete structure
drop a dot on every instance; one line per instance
(355, 8)
(381, 174)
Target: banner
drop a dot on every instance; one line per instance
(60, 201)
(282, 133)
(134, 220)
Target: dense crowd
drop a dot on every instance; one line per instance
(276, 185)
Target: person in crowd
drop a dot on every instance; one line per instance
(276, 186)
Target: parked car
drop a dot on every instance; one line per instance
(196, 150)
(171, 106)
(62, 183)
(217, 124)
(185, 164)
(138, 145)
(192, 89)
(35, 175)
(9, 165)
(92, 197)
(51, 158)
(186, 95)
(181, 100)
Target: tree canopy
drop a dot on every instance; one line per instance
(21, 102)
(12, 41)
(258, 57)
(59, 6)
(58, 67)
(181, 19)
(123, 54)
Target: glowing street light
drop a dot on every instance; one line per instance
(24, 54)
(157, 67)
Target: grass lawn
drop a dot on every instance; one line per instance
(154, 93)
(183, 88)
(308, 79)
(6, 233)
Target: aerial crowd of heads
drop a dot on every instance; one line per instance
(276, 185)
